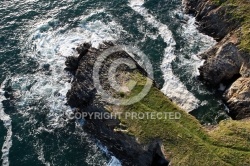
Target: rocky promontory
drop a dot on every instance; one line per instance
(168, 140)
(84, 99)
(228, 62)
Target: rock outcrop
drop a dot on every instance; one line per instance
(83, 97)
(238, 98)
(225, 62)
(213, 18)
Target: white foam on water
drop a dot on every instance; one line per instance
(7, 124)
(51, 47)
(194, 38)
(41, 157)
(173, 87)
(47, 89)
(113, 161)
(190, 62)
(96, 149)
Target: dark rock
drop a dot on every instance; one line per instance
(71, 63)
(214, 20)
(222, 66)
(82, 50)
(158, 156)
(46, 67)
(223, 62)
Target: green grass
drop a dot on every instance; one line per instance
(240, 10)
(185, 141)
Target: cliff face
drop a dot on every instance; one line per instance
(226, 61)
(214, 19)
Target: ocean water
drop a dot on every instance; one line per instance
(35, 38)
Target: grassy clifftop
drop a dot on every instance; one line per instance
(239, 10)
(184, 140)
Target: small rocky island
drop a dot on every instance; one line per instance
(184, 141)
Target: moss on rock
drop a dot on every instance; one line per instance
(239, 10)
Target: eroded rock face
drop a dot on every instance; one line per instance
(238, 98)
(245, 67)
(214, 20)
(223, 62)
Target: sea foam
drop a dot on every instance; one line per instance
(173, 87)
(47, 88)
(7, 124)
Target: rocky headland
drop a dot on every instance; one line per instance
(149, 142)
(83, 98)
(228, 62)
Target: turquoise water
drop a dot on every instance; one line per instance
(35, 38)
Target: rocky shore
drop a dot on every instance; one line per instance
(227, 63)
